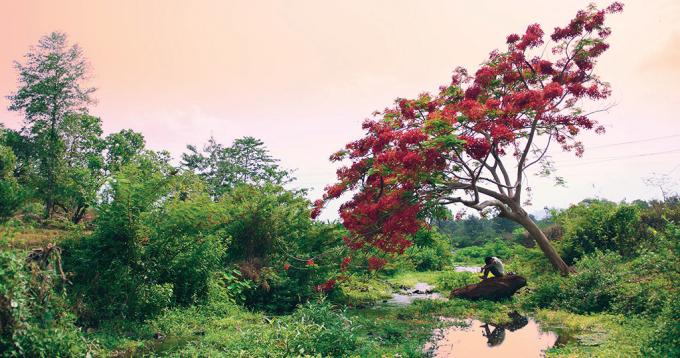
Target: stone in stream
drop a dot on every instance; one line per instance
(494, 288)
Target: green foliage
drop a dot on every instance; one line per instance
(50, 90)
(665, 341)
(431, 251)
(82, 174)
(121, 148)
(34, 318)
(605, 282)
(475, 231)
(271, 228)
(158, 242)
(10, 191)
(475, 255)
(600, 225)
(316, 328)
(246, 161)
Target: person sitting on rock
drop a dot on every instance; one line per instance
(493, 265)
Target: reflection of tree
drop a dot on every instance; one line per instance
(497, 335)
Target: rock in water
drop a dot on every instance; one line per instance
(494, 288)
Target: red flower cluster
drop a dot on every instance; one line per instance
(376, 263)
(326, 286)
(477, 148)
(345, 263)
(397, 169)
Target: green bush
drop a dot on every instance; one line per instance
(431, 251)
(600, 225)
(158, 240)
(607, 282)
(273, 236)
(34, 318)
(665, 341)
(10, 191)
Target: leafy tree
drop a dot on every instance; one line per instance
(83, 172)
(473, 143)
(121, 147)
(247, 160)
(50, 88)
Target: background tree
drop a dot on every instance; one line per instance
(50, 88)
(84, 164)
(246, 161)
(121, 147)
(473, 143)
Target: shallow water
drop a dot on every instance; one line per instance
(421, 291)
(472, 269)
(522, 338)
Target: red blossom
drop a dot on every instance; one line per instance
(552, 90)
(376, 263)
(477, 148)
(326, 286)
(345, 263)
(286, 266)
(311, 263)
(398, 172)
(532, 38)
(512, 38)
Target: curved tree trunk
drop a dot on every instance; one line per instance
(543, 243)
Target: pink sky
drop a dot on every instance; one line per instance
(302, 75)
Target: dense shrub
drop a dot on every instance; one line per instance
(607, 282)
(35, 320)
(431, 251)
(277, 246)
(157, 242)
(10, 191)
(600, 225)
(665, 341)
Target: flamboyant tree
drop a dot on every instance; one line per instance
(473, 142)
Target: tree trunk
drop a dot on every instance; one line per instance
(543, 243)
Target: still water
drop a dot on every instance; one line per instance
(472, 338)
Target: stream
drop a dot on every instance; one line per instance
(522, 337)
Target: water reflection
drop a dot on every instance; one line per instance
(522, 337)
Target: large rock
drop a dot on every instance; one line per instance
(494, 288)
